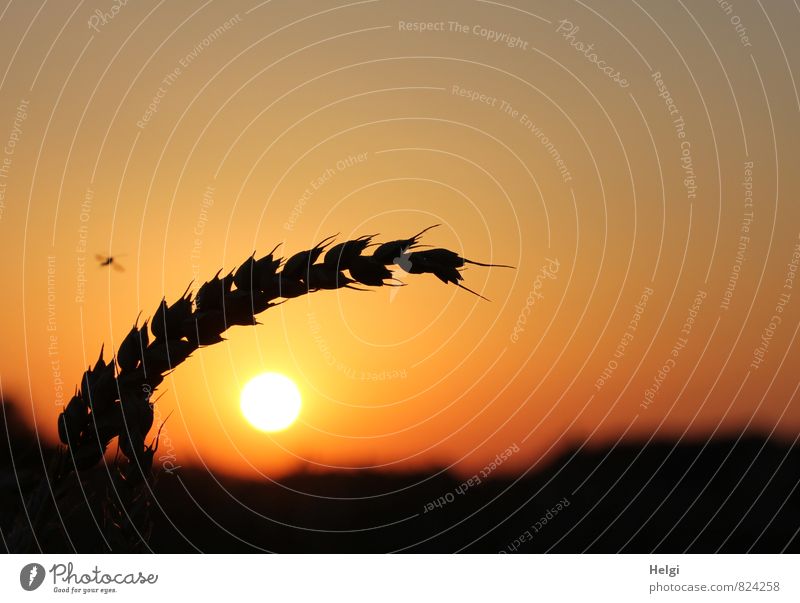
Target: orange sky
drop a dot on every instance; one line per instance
(287, 122)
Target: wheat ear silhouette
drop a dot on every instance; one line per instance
(114, 398)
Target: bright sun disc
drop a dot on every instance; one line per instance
(270, 402)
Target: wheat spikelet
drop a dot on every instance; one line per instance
(113, 399)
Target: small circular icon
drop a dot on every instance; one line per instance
(31, 576)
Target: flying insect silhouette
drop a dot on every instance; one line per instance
(109, 260)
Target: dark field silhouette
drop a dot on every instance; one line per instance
(77, 486)
(720, 497)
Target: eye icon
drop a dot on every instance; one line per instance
(31, 576)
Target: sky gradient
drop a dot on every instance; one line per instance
(635, 162)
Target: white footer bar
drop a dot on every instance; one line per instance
(401, 578)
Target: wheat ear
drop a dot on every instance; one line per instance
(114, 398)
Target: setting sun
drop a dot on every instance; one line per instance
(360, 277)
(270, 402)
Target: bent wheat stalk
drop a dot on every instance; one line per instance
(114, 398)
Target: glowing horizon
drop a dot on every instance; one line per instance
(653, 225)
